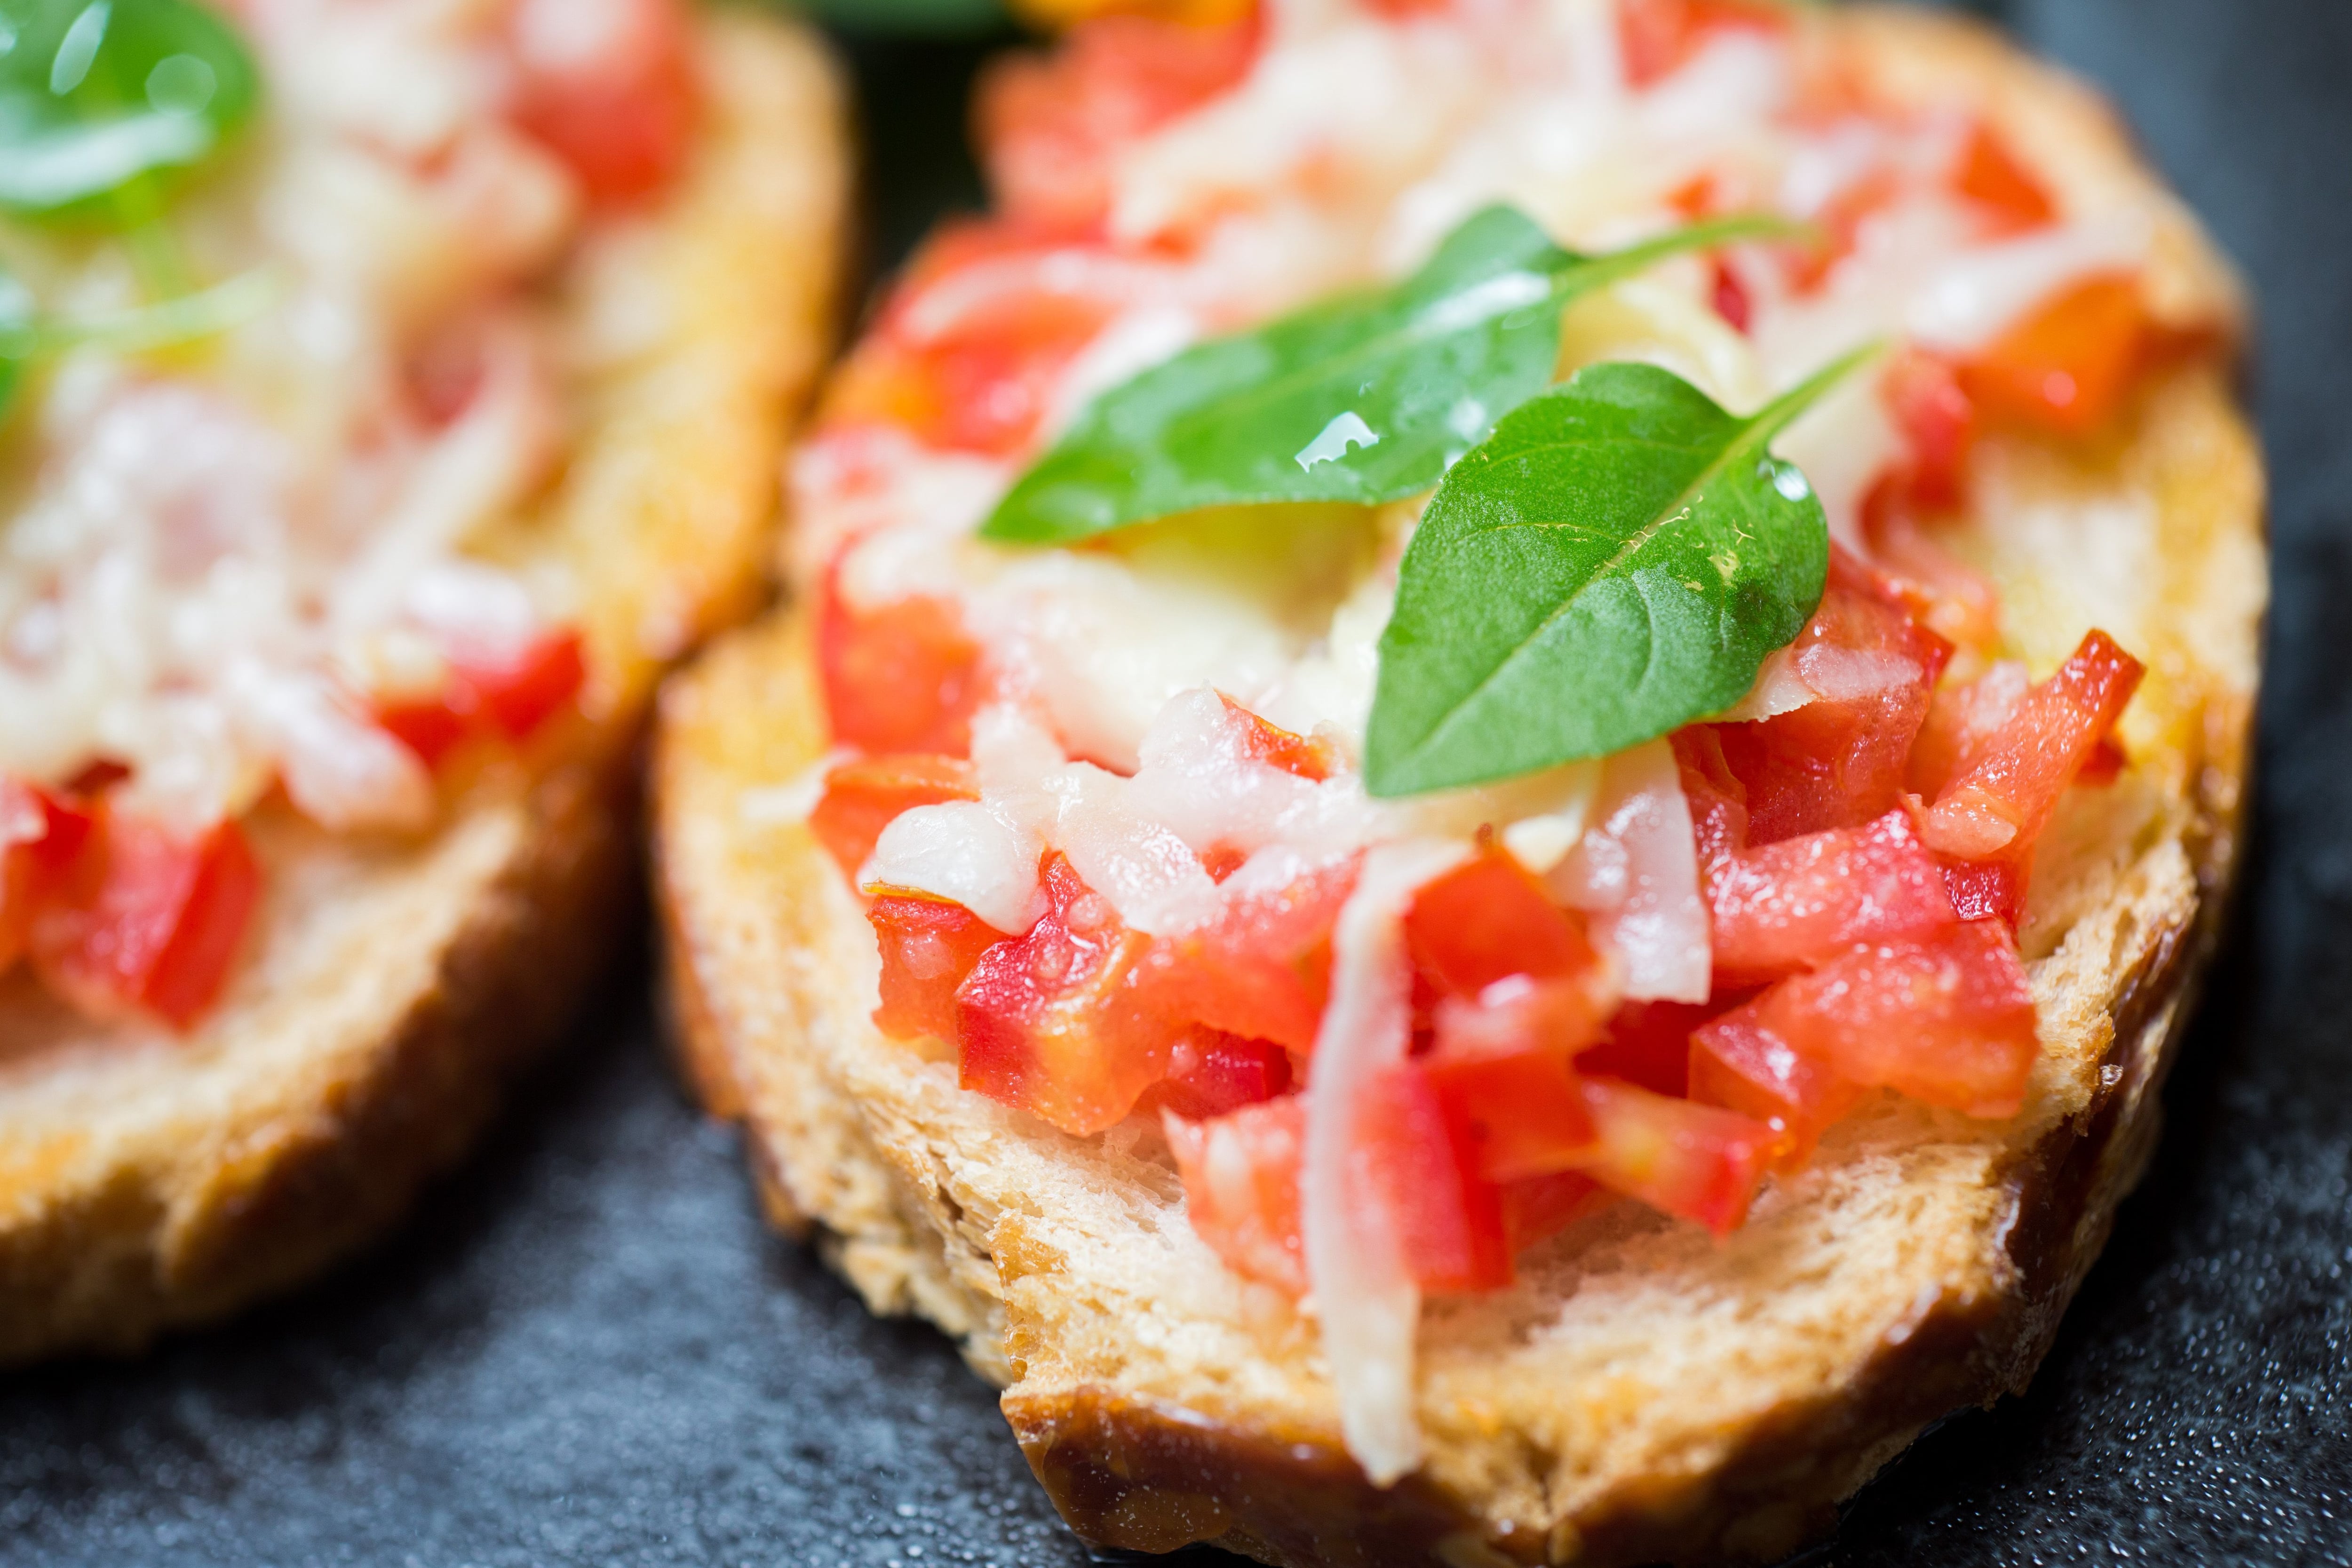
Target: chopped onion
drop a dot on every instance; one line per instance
(1636, 875)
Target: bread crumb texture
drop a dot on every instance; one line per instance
(1644, 1393)
(395, 985)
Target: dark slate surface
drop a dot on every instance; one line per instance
(587, 1350)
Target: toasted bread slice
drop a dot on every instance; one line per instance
(395, 985)
(1643, 1392)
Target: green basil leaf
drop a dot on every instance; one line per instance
(1614, 561)
(15, 336)
(1364, 399)
(95, 94)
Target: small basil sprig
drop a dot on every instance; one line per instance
(1364, 399)
(1614, 561)
(27, 336)
(95, 95)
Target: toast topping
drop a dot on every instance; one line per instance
(269, 312)
(1406, 1002)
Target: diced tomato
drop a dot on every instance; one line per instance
(1718, 800)
(1418, 1166)
(1948, 1020)
(1985, 889)
(1839, 760)
(1241, 1187)
(2006, 785)
(1516, 1104)
(929, 946)
(1939, 423)
(152, 921)
(1051, 126)
(2066, 367)
(1962, 719)
(1211, 1074)
(1047, 1021)
(1732, 300)
(903, 677)
(41, 835)
(609, 87)
(1736, 1063)
(1695, 1161)
(1783, 905)
(1279, 748)
(1934, 586)
(1660, 36)
(1990, 176)
(1488, 919)
(510, 697)
(1542, 1206)
(1648, 1043)
(863, 798)
(1262, 970)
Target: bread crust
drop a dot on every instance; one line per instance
(395, 988)
(1644, 1394)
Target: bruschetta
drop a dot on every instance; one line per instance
(1507, 742)
(392, 391)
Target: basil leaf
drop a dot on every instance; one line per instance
(15, 336)
(95, 94)
(26, 335)
(1614, 561)
(1365, 398)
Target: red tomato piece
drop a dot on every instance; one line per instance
(1739, 1064)
(1990, 175)
(41, 835)
(1939, 423)
(1660, 36)
(1648, 1043)
(1516, 1111)
(2006, 785)
(2064, 368)
(1279, 748)
(1213, 1074)
(1948, 1020)
(510, 697)
(903, 677)
(152, 921)
(1839, 760)
(1934, 587)
(1050, 126)
(863, 798)
(1786, 904)
(1695, 1161)
(1419, 1167)
(1732, 300)
(1262, 970)
(608, 86)
(1047, 1020)
(1241, 1187)
(1488, 919)
(929, 946)
(1718, 800)
(1542, 1206)
(1985, 889)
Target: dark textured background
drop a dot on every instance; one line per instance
(585, 1350)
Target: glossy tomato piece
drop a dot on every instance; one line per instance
(1241, 1187)
(1985, 889)
(1542, 1206)
(2004, 787)
(1648, 1043)
(41, 837)
(1948, 1020)
(1784, 905)
(1516, 1110)
(152, 921)
(903, 677)
(2066, 367)
(1488, 919)
(2012, 198)
(1839, 760)
(1717, 799)
(1420, 1167)
(1661, 37)
(1928, 581)
(1738, 1063)
(929, 946)
(609, 87)
(1262, 970)
(1047, 1020)
(863, 798)
(1694, 1161)
(509, 696)
(1279, 748)
(1211, 1074)
(1938, 420)
(1051, 126)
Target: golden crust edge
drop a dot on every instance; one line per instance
(103, 1262)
